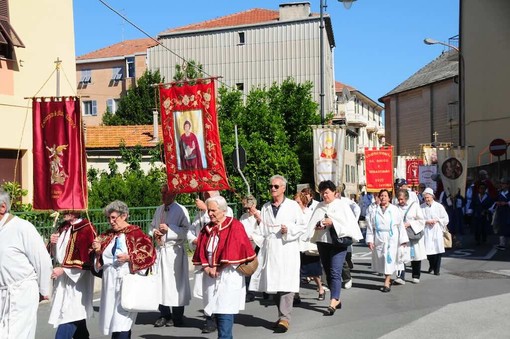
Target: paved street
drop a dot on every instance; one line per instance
(470, 299)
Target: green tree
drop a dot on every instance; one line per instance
(190, 71)
(135, 108)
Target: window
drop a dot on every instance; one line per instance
(240, 86)
(130, 66)
(353, 174)
(117, 73)
(241, 38)
(8, 36)
(86, 76)
(90, 108)
(347, 174)
(111, 105)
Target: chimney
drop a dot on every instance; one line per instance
(155, 126)
(294, 10)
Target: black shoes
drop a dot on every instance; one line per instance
(162, 321)
(385, 289)
(209, 327)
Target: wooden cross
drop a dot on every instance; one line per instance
(435, 134)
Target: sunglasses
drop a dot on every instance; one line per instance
(273, 186)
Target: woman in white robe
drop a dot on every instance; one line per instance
(413, 219)
(122, 250)
(385, 233)
(436, 220)
(170, 227)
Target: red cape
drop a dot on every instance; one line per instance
(234, 247)
(141, 251)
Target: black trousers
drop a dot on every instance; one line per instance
(434, 262)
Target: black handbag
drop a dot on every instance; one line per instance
(339, 242)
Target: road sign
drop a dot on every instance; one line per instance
(498, 147)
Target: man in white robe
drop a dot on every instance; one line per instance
(25, 270)
(74, 282)
(436, 221)
(170, 227)
(280, 227)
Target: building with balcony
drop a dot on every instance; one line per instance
(364, 121)
(103, 76)
(257, 47)
(33, 36)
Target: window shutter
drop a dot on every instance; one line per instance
(94, 108)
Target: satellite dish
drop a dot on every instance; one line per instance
(346, 94)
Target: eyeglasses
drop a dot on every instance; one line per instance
(273, 186)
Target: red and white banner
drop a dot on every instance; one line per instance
(328, 154)
(412, 171)
(379, 168)
(194, 161)
(60, 178)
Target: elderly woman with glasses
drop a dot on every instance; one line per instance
(121, 250)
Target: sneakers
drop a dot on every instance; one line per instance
(162, 321)
(399, 281)
(210, 326)
(348, 284)
(416, 281)
(501, 247)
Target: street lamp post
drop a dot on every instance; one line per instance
(430, 41)
(347, 4)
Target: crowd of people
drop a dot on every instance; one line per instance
(292, 240)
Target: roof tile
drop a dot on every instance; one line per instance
(126, 47)
(97, 137)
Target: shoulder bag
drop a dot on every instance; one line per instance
(248, 268)
(410, 233)
(141, 293)
(339, 242)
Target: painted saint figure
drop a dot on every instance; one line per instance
(191, 157)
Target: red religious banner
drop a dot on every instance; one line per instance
(60, 179)
(379, 168)
(412, 171)
(194, 161)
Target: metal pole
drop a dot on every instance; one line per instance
(57, 66)
(462, 102)
(238, 165)
(322, 62)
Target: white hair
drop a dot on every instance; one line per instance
(220, 201)
(5, 199)
(283, 180)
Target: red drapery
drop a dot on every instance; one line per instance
(412, 171)
(194, 160)
(60, 179)
(379, 168)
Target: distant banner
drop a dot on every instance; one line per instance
(426, 174)
(379, 168)
(328, 153)
(453, 169)
(412, 168)
(194, 160)
(429, 155)
(60, 178)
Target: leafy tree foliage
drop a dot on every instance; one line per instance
(273, 128)
(135, 108)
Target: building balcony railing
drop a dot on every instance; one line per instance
(356, 119)
(380, 131)
(371, 126)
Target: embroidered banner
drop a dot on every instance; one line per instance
(427, 173)
(379, 168)
(328, 153)
(453, 170)
(60, 178)
(194, 161)
(412, 171)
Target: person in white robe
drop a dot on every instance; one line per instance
(436, 222)
(169, 228)
(311, 202)
(280, 227)
(413, 218)
(385, 233)
(402, 184)
(74, 283)
(124, 249)
(333, 214)
(249, 222)
(25, 270)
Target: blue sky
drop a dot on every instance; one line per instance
(379, 43)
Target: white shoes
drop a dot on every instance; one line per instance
(399, 281)
(348, 284)
(416, 281)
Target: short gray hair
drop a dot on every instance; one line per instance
(116, 206)
(220, 201)
(5, 199)
(278, 177)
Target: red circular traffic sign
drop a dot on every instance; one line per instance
(498, 147)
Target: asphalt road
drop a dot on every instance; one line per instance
(470, 299)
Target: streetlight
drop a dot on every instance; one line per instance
(347, 4)
(429, 41)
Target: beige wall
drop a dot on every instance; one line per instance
(47, 31)
(485, 44)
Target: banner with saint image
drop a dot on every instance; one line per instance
(194, 160)
(60, 176)
(453, 169)
(328, 153)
